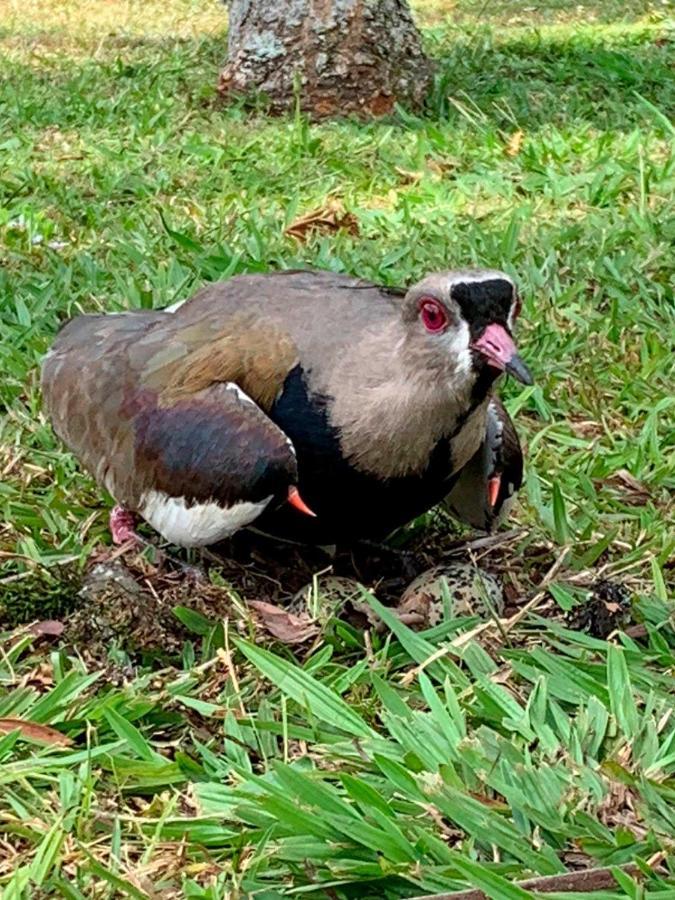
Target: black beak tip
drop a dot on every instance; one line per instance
(519, 370)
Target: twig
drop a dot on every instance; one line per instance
(492, 540)
(19, 576)
(225, 655)
(541, 591)
(583, 882)
(9, 554)
(555, 568)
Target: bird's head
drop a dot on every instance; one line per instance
(462, 323)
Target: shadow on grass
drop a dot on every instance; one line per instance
(525, 82)
(548, 12)
(532, 79)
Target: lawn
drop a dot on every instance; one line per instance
(378, 764)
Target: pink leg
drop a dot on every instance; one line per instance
(122, 525)
(123, 531)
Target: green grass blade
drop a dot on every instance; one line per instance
(305, 690)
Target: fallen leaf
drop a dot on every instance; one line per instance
(635, 493)
(326, 220)
(414, 608)
(514, 143)
(439, 167)
(408, 176)
(40, 677)
(283, 625)
(387, 201)
(47, 628)
(636, 631)
(624, 476)
(488, 801)
(586, 428)
(32, 731)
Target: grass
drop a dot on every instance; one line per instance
(547, 151)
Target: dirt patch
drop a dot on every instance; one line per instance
(128, 600)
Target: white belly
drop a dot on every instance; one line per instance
(198, 524)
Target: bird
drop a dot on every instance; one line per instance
(311, 406)
(483, 494)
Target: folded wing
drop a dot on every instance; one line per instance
(164, 428)
(483, 493)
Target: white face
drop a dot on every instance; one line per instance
(456, 342)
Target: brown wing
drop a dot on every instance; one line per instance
(145, 405)
(323, 313)
(86, 378)
(214, 446)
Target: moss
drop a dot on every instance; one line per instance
(40, 595)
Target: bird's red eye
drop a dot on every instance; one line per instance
(433, 315)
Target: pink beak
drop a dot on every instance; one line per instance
(500, 352)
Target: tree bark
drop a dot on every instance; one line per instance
(335, 56)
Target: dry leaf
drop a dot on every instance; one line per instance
(408, 176)
(514, 143)
(414, 609)
(47, 628)
(488, 801)
(40, 677)
(439, 167)
(283, 625)
(380, 201)
(636, 631)
(629, 481)
(585, 428)
(35, 732)
(635, 493)
(326, 219)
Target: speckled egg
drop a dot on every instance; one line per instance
(472, 592)
(328, 596)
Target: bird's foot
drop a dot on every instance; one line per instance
(123, 526)
(125, 536)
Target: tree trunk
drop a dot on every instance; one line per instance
(336, 56)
